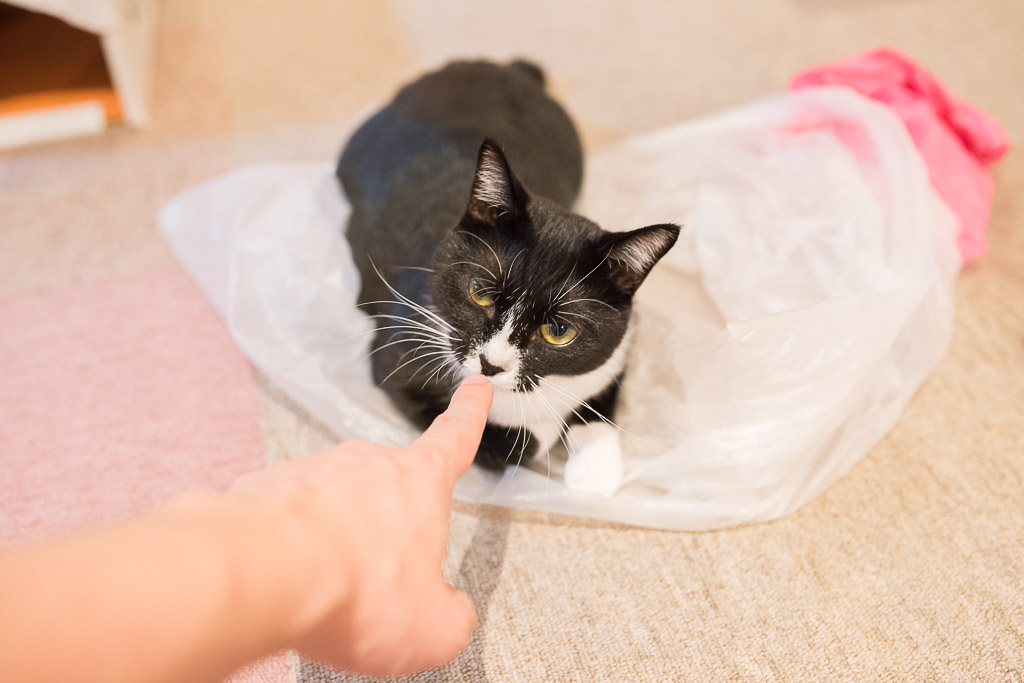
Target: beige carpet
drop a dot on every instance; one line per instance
(909, 568)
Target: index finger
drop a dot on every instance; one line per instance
(456, 432)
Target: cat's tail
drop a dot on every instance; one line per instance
(530, 69)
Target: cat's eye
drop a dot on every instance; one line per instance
(557, 333)
(479, 295)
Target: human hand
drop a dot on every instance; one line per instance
(372, 522)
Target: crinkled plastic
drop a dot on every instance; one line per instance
(810, 295)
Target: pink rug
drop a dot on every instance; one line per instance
(113, 398)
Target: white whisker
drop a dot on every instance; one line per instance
(447, 361)
(523, 431)
(422, 343)
(409, 329)
(533, 407)
(559, 296)
(407, 300)
(430, 359)
(478, 265)
(416, 309)
(411, 360)
(568, 394)
(513, 264)
(435, 347)
(484, 242)
(577, 315)
(596, 301)
(564, 430)
(415, 323)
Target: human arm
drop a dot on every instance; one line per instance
(338, 555)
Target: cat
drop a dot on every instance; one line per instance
(472, 262)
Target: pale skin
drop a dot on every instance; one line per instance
(337, 555)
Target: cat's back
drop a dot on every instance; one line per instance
(430, 133)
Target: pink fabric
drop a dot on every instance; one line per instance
(114, 397)
(957, 141)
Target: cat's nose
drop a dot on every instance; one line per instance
(487, 368)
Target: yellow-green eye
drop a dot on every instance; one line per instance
(558, 334)
(478, 294)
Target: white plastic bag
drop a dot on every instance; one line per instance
(809, 297)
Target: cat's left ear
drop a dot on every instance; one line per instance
(496, 193)
(632, 254)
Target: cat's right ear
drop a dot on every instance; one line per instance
(496, 193)
(631, 255)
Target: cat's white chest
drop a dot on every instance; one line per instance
(527, 409)
(595, 451)
(555, 398)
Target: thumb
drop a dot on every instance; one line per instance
(455, 434)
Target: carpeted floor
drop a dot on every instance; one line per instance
(120, 385)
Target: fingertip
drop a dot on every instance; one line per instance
(472, 391)
(455, 434)
(467, 412)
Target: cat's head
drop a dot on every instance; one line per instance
(531, 289)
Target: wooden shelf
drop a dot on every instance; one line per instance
(54, 82)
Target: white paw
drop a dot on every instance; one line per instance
(595, 459)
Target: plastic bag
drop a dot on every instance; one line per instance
(810, 295)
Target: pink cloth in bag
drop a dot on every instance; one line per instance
(956, 141)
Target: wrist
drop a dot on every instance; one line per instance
(277, 579)
(314, 579)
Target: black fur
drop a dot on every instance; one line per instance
(430, 189)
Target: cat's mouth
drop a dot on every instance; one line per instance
(504, 380)
(500, 378)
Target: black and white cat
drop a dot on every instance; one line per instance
(472, 262)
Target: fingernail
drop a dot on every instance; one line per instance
(475, 379)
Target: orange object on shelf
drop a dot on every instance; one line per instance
(55, 79)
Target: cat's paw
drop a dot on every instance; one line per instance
(595, 459)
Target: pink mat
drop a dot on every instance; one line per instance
(114, 397)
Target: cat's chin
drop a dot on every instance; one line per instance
(502, 382)
(507, 384)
